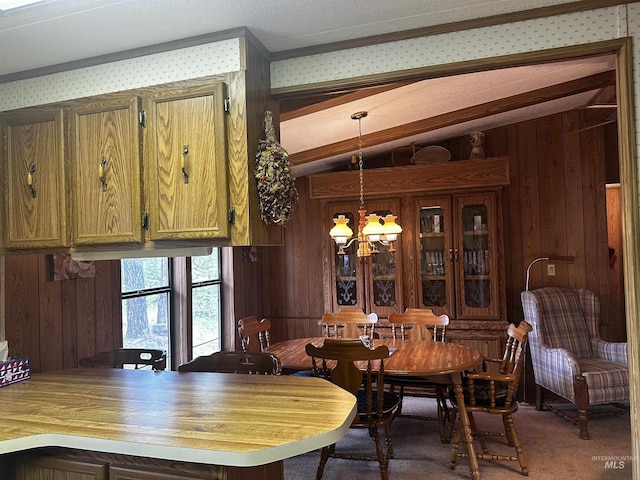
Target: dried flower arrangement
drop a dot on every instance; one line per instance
(276, 184)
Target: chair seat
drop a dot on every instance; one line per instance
(409, 381)
(390, 402)
(604, 374)
(482, 394)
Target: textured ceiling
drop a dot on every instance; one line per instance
(60, 31)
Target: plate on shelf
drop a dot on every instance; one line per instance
(430, 155)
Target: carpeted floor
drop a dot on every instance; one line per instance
(550, 443)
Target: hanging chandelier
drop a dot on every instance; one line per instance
(372, 228)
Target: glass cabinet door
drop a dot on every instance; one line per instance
(346, 281)
(373, 284)
(435, 289)
(384, 269)
(476, 256)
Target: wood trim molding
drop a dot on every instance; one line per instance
(630, 224)
(549, 11)
(577, 6)
(463, 174)
(469, 66)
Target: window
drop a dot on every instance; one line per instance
(148, 286)
(205, 301)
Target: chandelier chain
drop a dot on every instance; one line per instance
(360, 163)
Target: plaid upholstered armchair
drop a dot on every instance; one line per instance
(569, 359)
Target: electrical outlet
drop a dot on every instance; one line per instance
(551, 269)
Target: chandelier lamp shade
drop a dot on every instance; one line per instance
(372, 228)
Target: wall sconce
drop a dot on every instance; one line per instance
(550, 258)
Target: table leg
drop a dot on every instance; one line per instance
(456, 381)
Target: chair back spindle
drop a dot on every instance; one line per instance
(254, 335)
(349, 323)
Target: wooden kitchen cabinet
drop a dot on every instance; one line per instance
(161, 166)
(30, 467)
(34, 169)
(122, 472)
(177, 137)
(186, 164)
(55, 463)
(106, 171)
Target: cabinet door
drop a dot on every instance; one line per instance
(476, 256)
(105, 172)
(146, 473)
(384, 268)
(186, 164)
(344, 278)
(374, 283)
(435, 288)
(51, 467)
(35, 173)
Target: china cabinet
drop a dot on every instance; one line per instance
(449, 256)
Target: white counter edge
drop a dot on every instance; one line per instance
(182, 454)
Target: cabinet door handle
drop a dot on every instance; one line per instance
(101, 166)
(32, 170)
(453, 257)
(183, 164)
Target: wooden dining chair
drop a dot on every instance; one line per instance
(139, 358)
(422, 324)
(494, 393)
(256, 363)
(348, 323)
(255, 335)
(376, 407)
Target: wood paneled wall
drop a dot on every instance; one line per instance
(56, 323)
(554, 205)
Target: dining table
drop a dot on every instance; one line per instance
(440, 362)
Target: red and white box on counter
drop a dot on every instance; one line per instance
(14, 370)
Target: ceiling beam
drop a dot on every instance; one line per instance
(502, 105)
(296, 107)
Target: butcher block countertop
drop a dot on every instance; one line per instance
(209, 418)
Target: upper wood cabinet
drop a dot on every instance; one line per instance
(162, 166)
(106, 171)
(34, 169)
(177, 137)
(186, 164)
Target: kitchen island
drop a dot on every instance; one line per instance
(193, 425)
